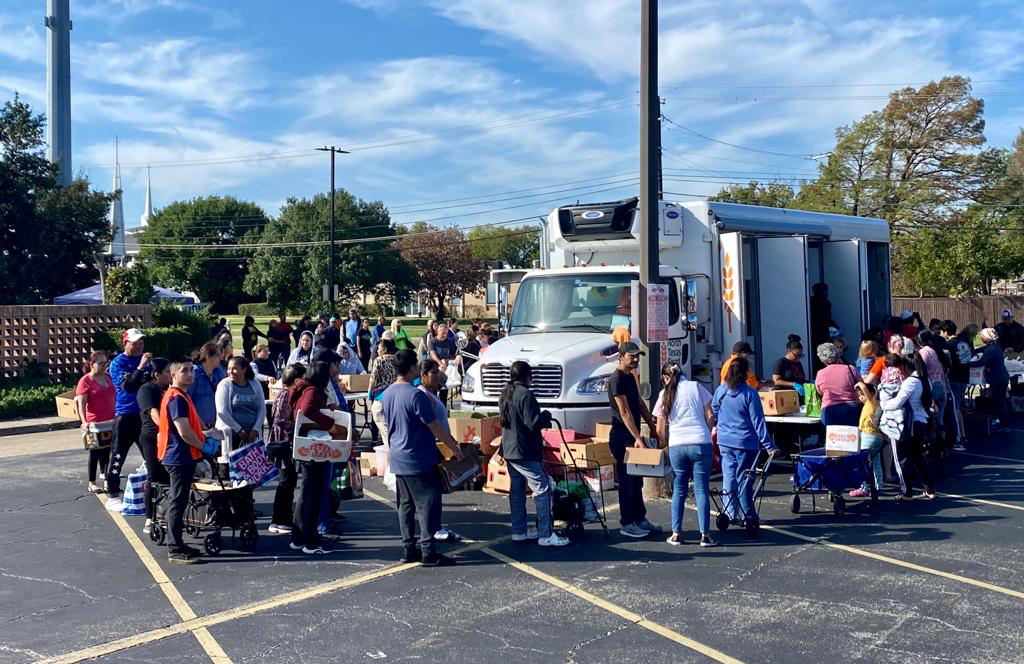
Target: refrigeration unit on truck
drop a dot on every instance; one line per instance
(734, 273)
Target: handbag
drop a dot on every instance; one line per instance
(98, 435)
(813, 400)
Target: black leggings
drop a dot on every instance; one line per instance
(98, 458)
(307, 509)
(127, 429)
(914, 448)
(284, 497)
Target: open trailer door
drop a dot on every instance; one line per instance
(844, 272)
(783, 297)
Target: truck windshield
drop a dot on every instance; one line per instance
(597, 303)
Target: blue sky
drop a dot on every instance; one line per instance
(452, 99)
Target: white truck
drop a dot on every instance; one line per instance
(735, 273)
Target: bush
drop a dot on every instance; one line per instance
(29, 397)
(257, 309)
(168, 342)
(197, 324)
(128, 285)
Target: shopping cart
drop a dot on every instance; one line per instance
(573, 501)
(814, 472)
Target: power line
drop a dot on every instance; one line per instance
(842, 97)
(733, 145)
(824, 85)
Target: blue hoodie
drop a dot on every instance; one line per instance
(121, 366)
(740, 418)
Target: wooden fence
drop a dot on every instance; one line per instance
(983, 309)
(59, 336)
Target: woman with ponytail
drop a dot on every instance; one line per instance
(522, 447)
(685, 420)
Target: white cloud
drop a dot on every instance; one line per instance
(21, 42)
(182, 70)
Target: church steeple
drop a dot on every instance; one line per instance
(117, 249)
(147, 210)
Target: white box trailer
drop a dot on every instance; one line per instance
(735, 273)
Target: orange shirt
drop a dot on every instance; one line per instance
(751, 376)
(877, 367)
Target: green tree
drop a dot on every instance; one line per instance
(767, 194)
(128, 285)
(365, 261)
(51, 234)
(194, 245)
(518, 247)
(443, 262)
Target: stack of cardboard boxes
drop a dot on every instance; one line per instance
(573, 449)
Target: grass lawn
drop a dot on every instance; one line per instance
(414, 326)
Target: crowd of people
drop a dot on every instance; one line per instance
(178, 410)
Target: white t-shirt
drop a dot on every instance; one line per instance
(686, 424)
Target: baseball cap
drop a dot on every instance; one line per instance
(333, 319)
(630, 348)
(742, 347)
(906, 314)
(1007, 313)
(132, 334)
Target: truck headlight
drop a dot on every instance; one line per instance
(468, 383)
(593, 386)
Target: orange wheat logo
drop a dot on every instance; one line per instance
(728, 292)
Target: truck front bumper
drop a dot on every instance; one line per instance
(582, 419)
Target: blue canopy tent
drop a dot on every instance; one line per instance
(94, 295)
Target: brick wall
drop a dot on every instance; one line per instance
(59, 335)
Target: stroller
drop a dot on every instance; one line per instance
(727, 501)
(213, 505)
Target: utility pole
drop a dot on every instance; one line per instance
(58, 87)
(650, 145)
(330, 286)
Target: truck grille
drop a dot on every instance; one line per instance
(547, 380)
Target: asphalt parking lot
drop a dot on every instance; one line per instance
(924, 581)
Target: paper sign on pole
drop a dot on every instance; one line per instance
(657, 313)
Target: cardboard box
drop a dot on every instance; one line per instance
(841, 440)
(355, 382)
(554, 438)
(465, 428)
(603, 431)
(649, 462)
(368, 463)
(497, 474)
(599, 479)
(66, 406)
(977, 376)
(490, 447)
(587, 453)
(780, 402)
(457, 474)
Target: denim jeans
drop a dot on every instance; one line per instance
(691, 461)
(631, 488)
(873, 444)
(736, 460)
(521, 474)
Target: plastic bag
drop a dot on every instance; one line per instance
(813, 400)
(134, 498)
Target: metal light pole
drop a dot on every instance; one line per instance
(650, 143)
(330, 286)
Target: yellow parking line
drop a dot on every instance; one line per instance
(625, 614)
(185, 612)
(983, 501)
(989, 456)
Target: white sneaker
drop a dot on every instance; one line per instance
(634, 531)
(279, 529)
(114, 504)
(530, 535)
(553, 540)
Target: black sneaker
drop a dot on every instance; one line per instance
(412, 556)
(184, 558)
(437, 560)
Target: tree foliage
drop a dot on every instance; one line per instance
(293, 278)
(50, 233)
(954, 208)
(215, 274)
(443, 262)
(128, 285)
(517, 247)
(767, 194)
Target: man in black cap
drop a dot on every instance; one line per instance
(627, 409)
(1011, 333)
(741, 349)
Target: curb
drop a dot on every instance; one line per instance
(37, 428)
